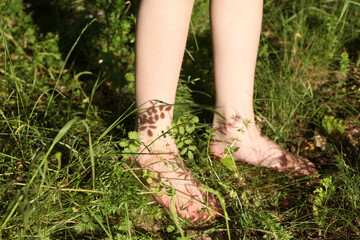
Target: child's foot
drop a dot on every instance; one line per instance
(255, 148)
(171, 177)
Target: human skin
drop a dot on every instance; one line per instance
(161, 35)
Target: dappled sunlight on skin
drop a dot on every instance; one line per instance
(170, 176)
(154, 116)
(255, 148)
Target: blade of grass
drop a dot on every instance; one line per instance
(128, 220)
(10, 214)
(12, 72)
(174, 216)
(95, 87)
(91, 150)
(9, 156)
(117, 121)
(67, 189)
(57, 138)
(223, 205)
(102, 226)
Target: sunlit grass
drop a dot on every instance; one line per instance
(64, 133)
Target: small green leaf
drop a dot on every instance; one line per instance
(183, 151)
(91, 226)
(228, 162)
(192, 148)
(181, 130)
(124, 143)
(154, 175)
(195, 119)
(190, 128)
(158, 189)
(340, 126)
(329, 123)
(170, 228)
(149, 180)
(79, 227)
(125, 153)
(188, 141)
(180, 145)
(130, 77)
(169, 131)
(133, 147)
(133, 135)
(85, 218)
(126, 150)
(190, 155)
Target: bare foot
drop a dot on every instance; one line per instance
(168, 176)
(255, 148)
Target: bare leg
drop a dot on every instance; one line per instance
(236, 26)
(161, 35)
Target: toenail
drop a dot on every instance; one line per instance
(194, 218)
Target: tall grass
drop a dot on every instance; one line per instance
(65, 136)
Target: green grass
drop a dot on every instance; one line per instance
(66, 122)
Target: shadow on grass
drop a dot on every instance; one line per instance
(93, 52)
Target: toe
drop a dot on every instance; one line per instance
(307, 167)
(205, 215)
(194, 217)
(310, 171)
(216, 210)
(304, 170)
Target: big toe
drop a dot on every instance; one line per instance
(303, 169)
(213, 208)
(202, 211)
(309, 170)
(306, 167)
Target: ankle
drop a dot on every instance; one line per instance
(154, 118)
(233, 124)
